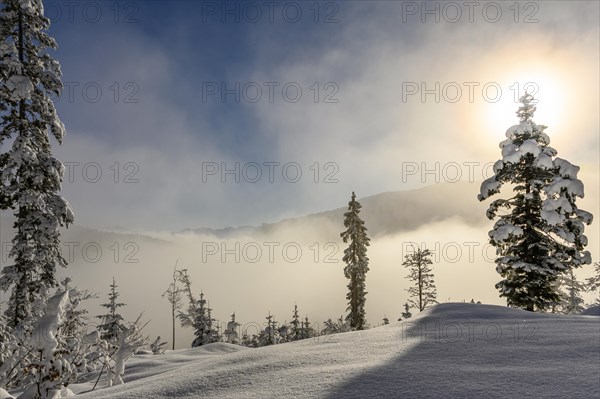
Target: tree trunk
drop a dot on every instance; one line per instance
(173, 315)
(420, 290)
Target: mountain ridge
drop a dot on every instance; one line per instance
(384, 213)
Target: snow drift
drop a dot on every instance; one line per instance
(451, 350)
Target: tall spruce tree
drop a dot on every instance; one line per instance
(539, 232)
(423, 293)
(112, 323)
(357, 263)
(30, 178)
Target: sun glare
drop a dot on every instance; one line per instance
(547, 90)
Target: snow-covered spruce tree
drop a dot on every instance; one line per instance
(214, 330)
(30, 177)
(76, 353)
(592, 284)
(47, 365)
(329, 327)
(357, 263)
(250, 341)
(82, 349)
(112, 323)
(284, 332)
(306, 330)
(201, 323)
(334, 327)
(76, 318)
(197, 314)
(199, 318)
(539, 232)
(270, 334)
(231, 333)
(295, 333)
(206, 324)
(571, 291)
(14, 349)
(423, 293)
(129, 340)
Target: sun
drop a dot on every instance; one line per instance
(544, 86)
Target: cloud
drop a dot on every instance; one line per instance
(365, 141)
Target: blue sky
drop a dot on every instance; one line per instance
(154, 129)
